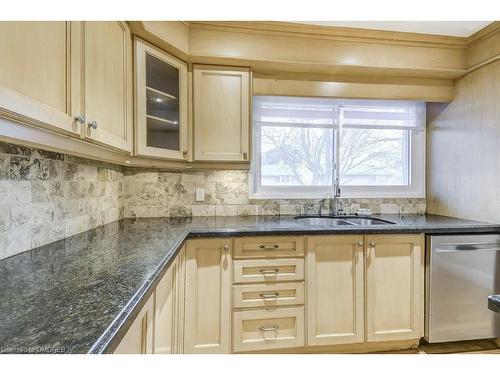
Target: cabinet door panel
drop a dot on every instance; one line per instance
(35, 74)
(180, 302)
(165, 312)
(335, 290)
(107, 83)
(208, 296)
(221, 114)
(161, 103)
(139, 337)
(394, 287)
(169, 308)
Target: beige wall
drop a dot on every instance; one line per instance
(463, 156)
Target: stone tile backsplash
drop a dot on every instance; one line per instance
(152, 194)
(46, 196)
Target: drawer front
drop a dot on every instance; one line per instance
(268, 329)
(268, 270)
(268, 295)
(268, 247)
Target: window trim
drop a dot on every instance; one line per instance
(416, 188)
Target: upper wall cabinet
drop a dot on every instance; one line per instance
(161, 126)
(36, 70)
(71, 77)
(107, 83)
(221, 113)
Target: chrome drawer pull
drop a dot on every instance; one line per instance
(269, 271)
(269, 295)
(269, 329)
(269, 247)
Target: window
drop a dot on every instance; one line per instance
(301, 145)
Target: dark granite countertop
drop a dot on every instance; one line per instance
(80, 294)
(494, 303)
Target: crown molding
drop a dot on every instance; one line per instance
(330, 50)
(484, 33)
(334, 33)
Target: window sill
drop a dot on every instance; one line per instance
(346, 193)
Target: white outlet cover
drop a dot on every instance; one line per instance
(200, 195)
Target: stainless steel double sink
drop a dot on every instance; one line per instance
(319, 220)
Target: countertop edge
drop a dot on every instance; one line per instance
(494, 303)
(111, 337)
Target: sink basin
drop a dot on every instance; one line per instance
(342, 220)
(367, 221)
(322, 221)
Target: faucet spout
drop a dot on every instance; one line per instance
(336, 208)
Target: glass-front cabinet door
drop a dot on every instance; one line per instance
(161, 103)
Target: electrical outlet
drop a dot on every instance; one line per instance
(200, 195)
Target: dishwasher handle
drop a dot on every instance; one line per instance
(478, 246)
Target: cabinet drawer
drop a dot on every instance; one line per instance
(268, 247)
(268, 270)
(268, 295)
(268, 329)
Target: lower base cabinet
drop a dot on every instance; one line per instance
(169, 309)
(354, 289)
(335, 290)
(268, 329)
(207, 326)
(394, 287)
(139, 337)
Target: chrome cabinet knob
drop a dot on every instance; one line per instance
(360, 243)
(226, 248)
(372, 244)
(92, 125)
(80, 119)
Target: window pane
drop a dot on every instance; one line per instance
(374, 157)
(296, 156)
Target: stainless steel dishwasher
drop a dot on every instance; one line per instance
(461, 271)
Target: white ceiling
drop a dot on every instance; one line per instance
(451, 28)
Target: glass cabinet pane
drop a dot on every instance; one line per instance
(162, 104)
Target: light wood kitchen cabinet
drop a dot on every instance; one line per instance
(180, 294)
(169, 309)
(37, 71)
(268, 295)
(335, 291)
(165, 307)
(268, 270)
(71, 77)
(268, 329)
(268, 247)
(207, 327)
(106, 66)
(394, 287)
(221, 105)
(139, 337)
(161, 120)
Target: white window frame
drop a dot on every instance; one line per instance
(416, 163)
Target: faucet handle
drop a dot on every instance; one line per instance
(337, 186)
